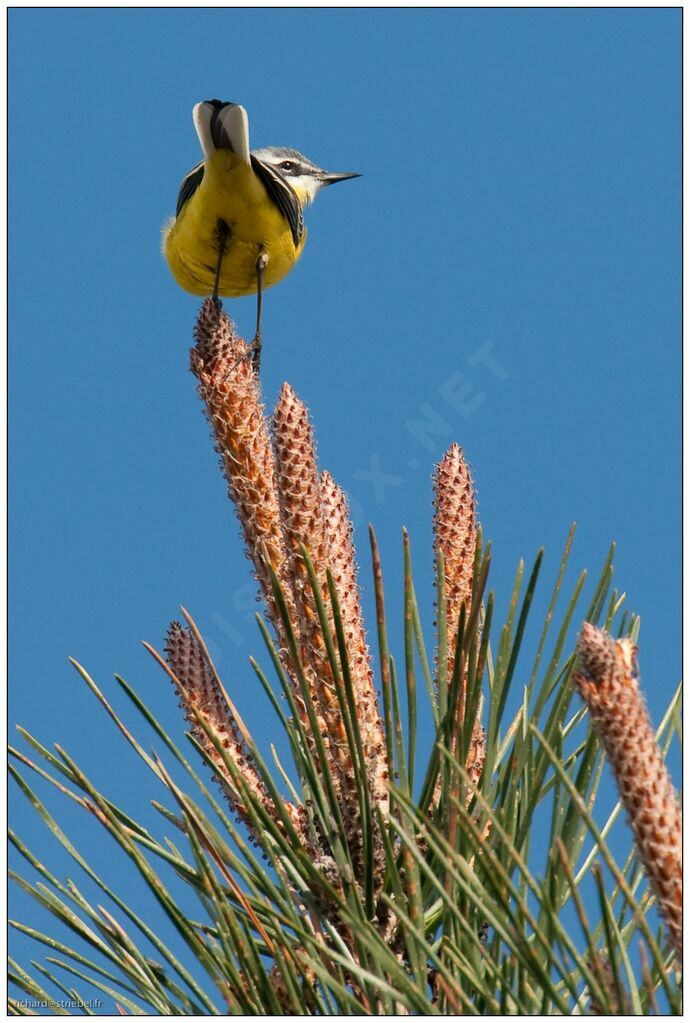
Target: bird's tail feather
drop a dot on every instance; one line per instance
(222, 126)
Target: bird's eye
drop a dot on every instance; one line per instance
(287, 165)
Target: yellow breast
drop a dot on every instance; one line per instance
(229, 192)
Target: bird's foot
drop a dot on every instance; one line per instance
(253, 353)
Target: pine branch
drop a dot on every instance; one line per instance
(231, 394)
(455, 543)
(202, 698)
(606, 678)
(343, 565)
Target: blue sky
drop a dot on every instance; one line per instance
(508, 266)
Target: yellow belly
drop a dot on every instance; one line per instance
(231, 192)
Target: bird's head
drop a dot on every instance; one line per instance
(305, 177)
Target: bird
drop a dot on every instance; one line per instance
(239, 223)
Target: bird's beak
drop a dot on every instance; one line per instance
(331, 179)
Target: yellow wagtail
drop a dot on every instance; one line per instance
(239, 225)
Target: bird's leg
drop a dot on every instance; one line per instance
(254, 349)
(255, 346)
(223, 231)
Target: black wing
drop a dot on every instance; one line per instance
(283, 195)
(189, 186)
